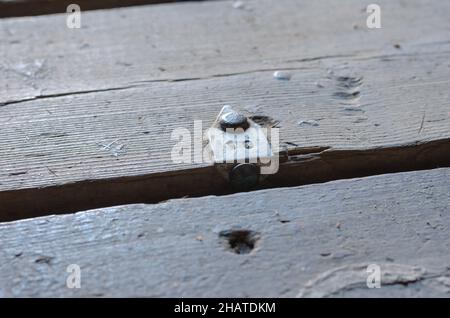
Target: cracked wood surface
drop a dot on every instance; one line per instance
(77, 152)
(97, 131)
(310, 241)
(128, 46)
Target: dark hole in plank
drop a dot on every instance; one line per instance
(240, 241)
(297, 168)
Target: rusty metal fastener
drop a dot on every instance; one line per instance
(239, 148)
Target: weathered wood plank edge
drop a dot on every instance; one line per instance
(198, 53)
(25, 163)
(309, 241)
(296, 169)
(303, 64)
(19, 8)
(39, 153)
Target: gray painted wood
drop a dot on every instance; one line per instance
(62, 141)
(124, 47)
(315, 240)
(128, 80)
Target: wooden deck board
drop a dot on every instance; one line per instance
(62, 141)
(123, 47)
(315, 240)
(128, 80)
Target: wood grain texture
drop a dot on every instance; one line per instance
(61, 141)
(18, 8)
(310, 241)
(87, 114)
(123, 47)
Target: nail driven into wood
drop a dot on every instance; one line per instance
(244, 176)
(239, 149)
(233, 120)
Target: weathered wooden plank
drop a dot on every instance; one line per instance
(315, 240)
(394, 124)
(374, 107)
(124, 47)
(18, 8)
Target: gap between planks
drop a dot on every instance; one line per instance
(398, 121)
(357, 136)
(299, 169)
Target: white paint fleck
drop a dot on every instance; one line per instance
(114, 148)
(282, 75)
(238, 5)
(29, 69)
(308, 122)
(319, 84)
